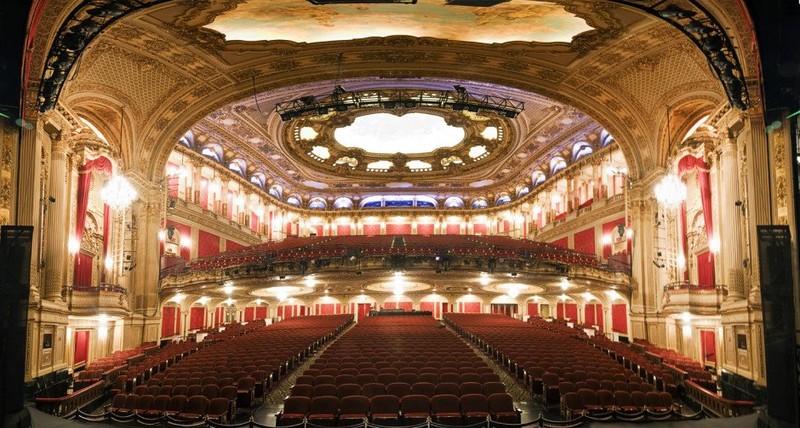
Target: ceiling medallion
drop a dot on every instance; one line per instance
(415, 142)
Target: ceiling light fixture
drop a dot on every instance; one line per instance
(342, 100)
(118, 193)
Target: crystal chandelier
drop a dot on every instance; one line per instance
(118, 193)
(670, 191)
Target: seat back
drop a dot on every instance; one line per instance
(415, 404)
(348, 389)
(145, 401)
(296, 405)
(197, 405)
(639, 399)
(131, 401)
(354, 405)
(622, 398)
(304, 380)
(445, 403)
(344, 378)
(384, 404)
(177, 403)
(448, 388)
(471, 388)
(424, 388)
(160, 403)
(373, 389)
(587, 396)
(490, 388)
(399, 389)
(474, 403)
(326, 404)
(365, 378)
(605, 398)
(501, 402)
(230, 392)
(325, 389)
(653, 399)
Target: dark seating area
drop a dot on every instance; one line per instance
(233, 370)
(567, 369)
(417, 371)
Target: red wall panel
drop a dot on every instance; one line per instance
(207, 244)
(479, 228)
(705, 269)
(453, 229)
(343, 229)
(533, 309)
(317, 228)
(571, 311)
(372, 229)
(169, 315)
(560, 242)
(254, 223)
(585, 241)
(424, 229)
(82, 275)
(470, 307)
(708, 345)
(588, 314)
(398, 229)
(619, 318)
(261, 312)
(230, 245)
(427, 306)
(249, 313)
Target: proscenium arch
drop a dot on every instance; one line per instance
(526, 81)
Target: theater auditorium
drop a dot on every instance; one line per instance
(427, 213)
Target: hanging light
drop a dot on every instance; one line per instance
(118, 193)
(670, 191)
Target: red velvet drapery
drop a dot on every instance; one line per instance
(619, 318)
(84, 185)
(82, 274)
(686, 164)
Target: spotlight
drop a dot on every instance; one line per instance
(697, 27)
(338, 90)
(473, 108)
(308, 100)
(460, 89)
(711, 43)
(511, 114)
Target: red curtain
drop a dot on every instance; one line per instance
(619, 318)
(363, 309)
(82, 275)
(372, 229)
(453, 229)
(560, 311)
(533, 309)
(343, 229)
(325, 309)
(424, 229)
(708, 345)
(705, 269)
(471, 307)
(608, 229)
(249, 313)
(185, 232)
(686, 164)
(599, 317)
(84, 185)
(405, 306)
(317, 229)
(571, 311)
(254, 222)
(427, 306)
(479, 229)
(219, 316)
(81, 346)
(261, 312)
(197, 318)
(168, 315)
(588, 314)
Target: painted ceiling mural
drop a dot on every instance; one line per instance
(300, 21)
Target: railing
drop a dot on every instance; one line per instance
(103, 286)
(69, 405)
(719, 406)
(685, 285)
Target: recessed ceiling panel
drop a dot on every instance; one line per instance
(385, 133)
(300, 21)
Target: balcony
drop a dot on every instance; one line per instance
(680, 297)
(105, 298)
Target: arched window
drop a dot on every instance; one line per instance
(343, 203)
(238, 166)
(277, 192)
(605, 138)
(454, 202)
(524, 190)
(294, 200)
(557, 164)
(317, 204)
(480, 203)
(187, 139)
(259, 179)
(537, 177)
(213, 151)
(581, 149)
(503, 199)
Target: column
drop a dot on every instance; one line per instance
(143, 293)
(597, 170)
(56, 207)
(759, 204)
(730, 217)
(570, 193)
(28, 197)
(193, 192)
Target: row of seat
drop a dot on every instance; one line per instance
(387, 377)
(181, 407)
(585, 401)
(398, 389)
(391, 410)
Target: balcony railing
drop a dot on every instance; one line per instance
(682, 296)
(102, 297)
(719, 406)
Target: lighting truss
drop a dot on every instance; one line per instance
(341, 100)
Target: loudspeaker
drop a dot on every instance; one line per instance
(774, 253)
(15, 267)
